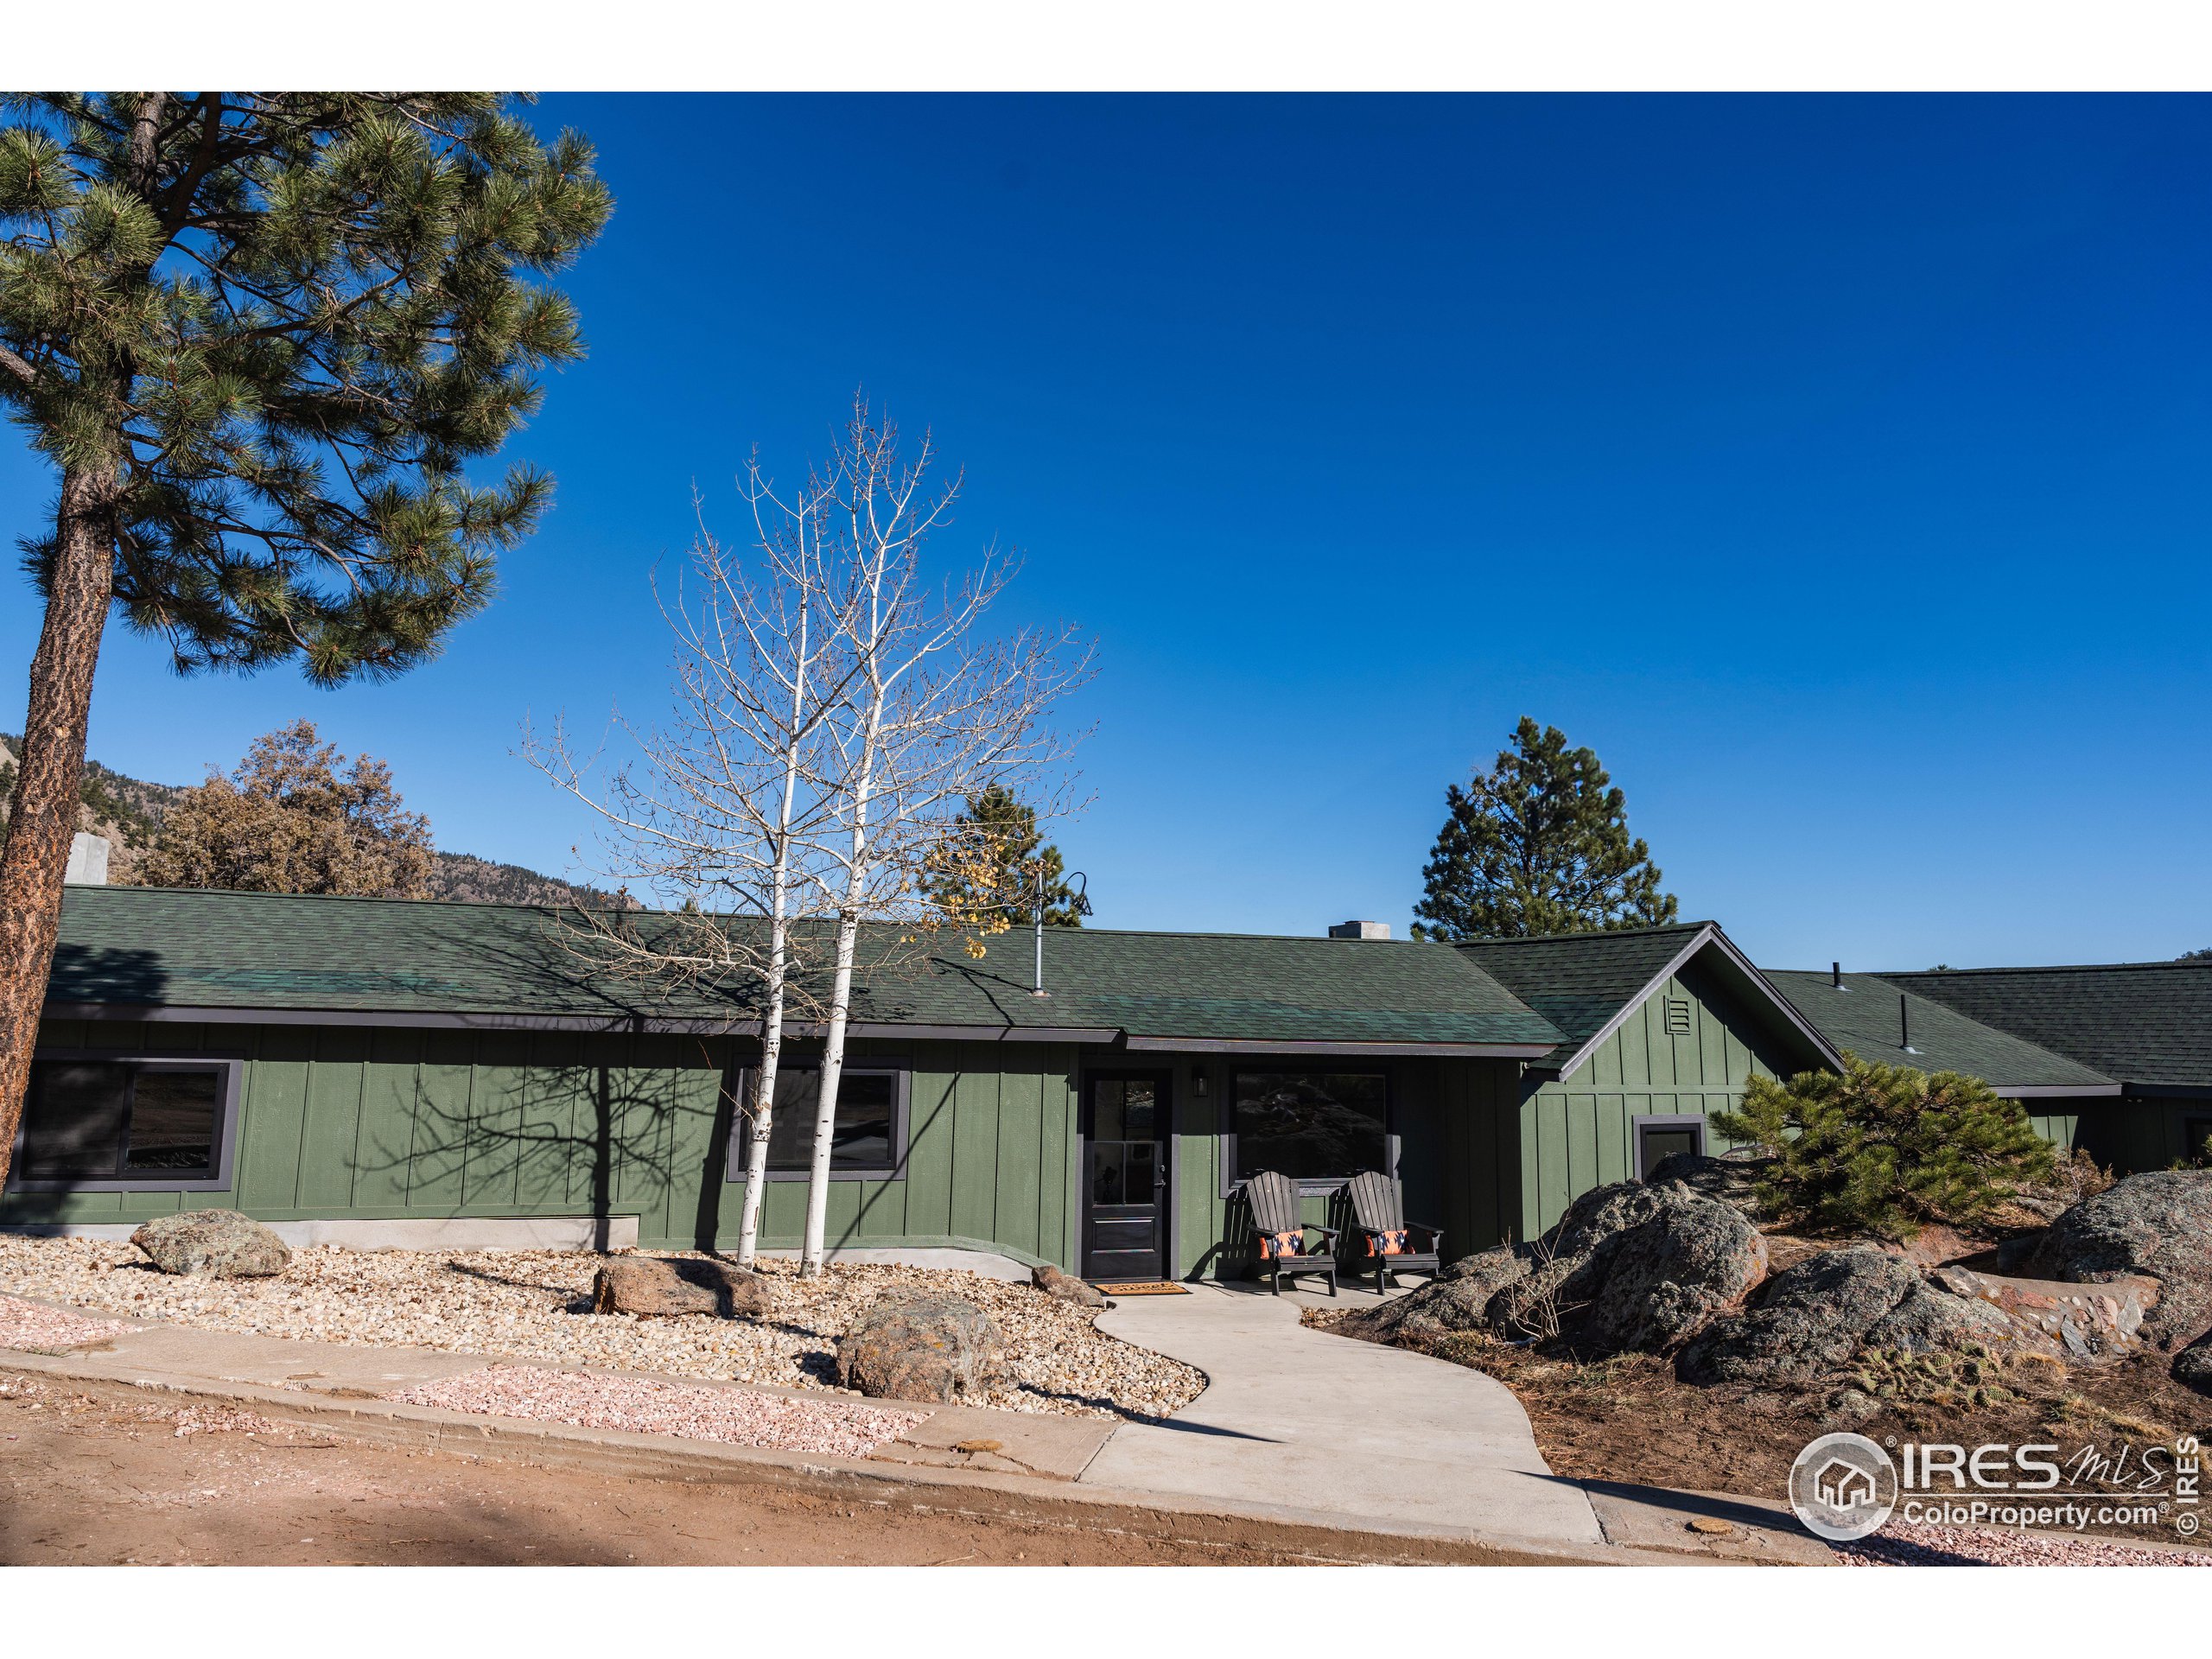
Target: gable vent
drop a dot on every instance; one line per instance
(1678, 1016)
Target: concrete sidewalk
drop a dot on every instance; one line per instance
(1307, 1423)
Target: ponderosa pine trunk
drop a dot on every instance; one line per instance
(48, 774)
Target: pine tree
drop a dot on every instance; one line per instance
(258, 336)
(1883, 1148)
(1538, 844)
(293, 819)
(986, 867)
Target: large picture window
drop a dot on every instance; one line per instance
(124, 1123)
(1310, 1126)
(870, 1130)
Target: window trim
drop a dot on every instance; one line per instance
(1313, 1187)
(231, 1065)
(902, 1088)
(1640, 1121)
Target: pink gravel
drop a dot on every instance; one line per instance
(1902, 1543)
(641, 1406)
(31, 1328)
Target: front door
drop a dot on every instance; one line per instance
(1125, 1177)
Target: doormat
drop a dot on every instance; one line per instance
(1145, 1290)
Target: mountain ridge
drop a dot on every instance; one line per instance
(128, 811)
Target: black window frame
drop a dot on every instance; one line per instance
(1640, 1121)
(1308, 1187)
(902, 1090)
(232, 1066)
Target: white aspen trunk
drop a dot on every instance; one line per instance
(772, 1021)
(764, 1096)
(825, 1119)
(841, 997)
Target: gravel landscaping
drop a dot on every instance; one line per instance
(1901, 1544)
(534, 1304)
(642, 1406)
(29, 1328)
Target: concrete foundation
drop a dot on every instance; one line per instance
(444, 1233)
(536, 1233)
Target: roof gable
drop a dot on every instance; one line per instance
(1588, 984)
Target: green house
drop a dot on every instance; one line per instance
(382, 1071)
(390, 1071)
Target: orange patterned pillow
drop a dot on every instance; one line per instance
(1389, 1244)
(1273, 1247)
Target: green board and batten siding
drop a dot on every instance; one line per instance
(340, 1122)
(1576, 1133)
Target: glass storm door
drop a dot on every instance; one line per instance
(1125, 1177)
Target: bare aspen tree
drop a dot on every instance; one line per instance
(934, 712)
(731, 803)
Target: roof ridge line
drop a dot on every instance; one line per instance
(1586, 933)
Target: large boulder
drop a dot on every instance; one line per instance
(2085, 1322)
(2193, 1365)
(1666, 1278)
(1066, 1287)
(934, 1348)
(662, 1287)
(1627, 1267)
(215, 1243)
(1458, 1298)
(1732, 1177)
(2156, 1225)
(1814, 1319)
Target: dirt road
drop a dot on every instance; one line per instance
(142, 1479)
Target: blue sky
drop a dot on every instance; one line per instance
(1835, 468)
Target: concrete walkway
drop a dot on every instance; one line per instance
(1333, 1431)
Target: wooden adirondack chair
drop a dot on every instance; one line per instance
(1282, 1236)
(1378, 1208)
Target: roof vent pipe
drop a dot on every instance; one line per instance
(1905, 1027)
(1835, 975)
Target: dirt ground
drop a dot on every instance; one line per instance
(1628, 1417)
(103, 1481)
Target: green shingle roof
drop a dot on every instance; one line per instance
(2148, 1022)
(366, 956)
(1580, 981)
(1863, 1017)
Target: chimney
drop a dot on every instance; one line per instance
(1360, 930)
(87, 862)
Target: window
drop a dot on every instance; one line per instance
(1310, 1126)
(870, 1136)
(142, 1124)
(1661, 1138)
